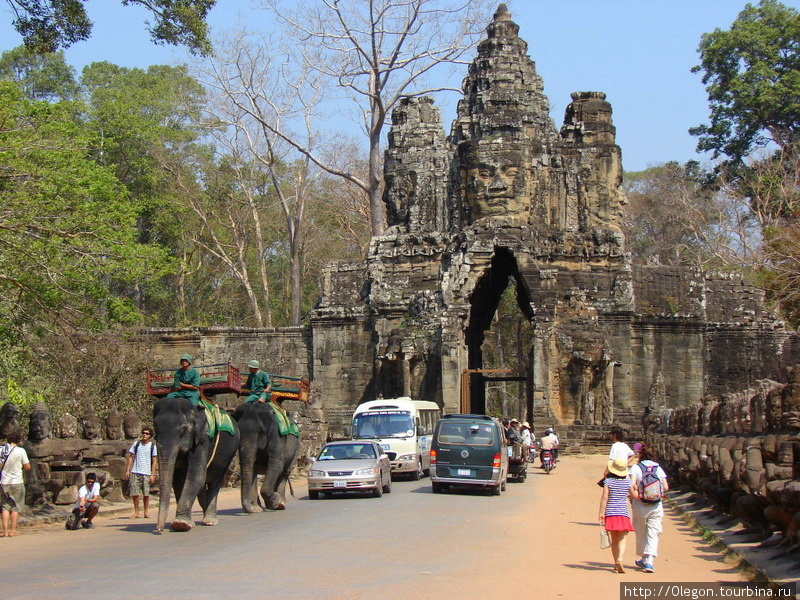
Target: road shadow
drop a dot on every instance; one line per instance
(586, 524)
(592, 566)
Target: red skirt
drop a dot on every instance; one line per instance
(618, 523)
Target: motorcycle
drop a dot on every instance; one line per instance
(548, 461)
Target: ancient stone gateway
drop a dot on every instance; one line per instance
(508, 197)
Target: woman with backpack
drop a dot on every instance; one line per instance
(648, 513)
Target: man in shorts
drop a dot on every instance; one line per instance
(140, 470)
(13, 460)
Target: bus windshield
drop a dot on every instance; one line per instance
(383, 424)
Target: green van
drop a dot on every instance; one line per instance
(469, 450)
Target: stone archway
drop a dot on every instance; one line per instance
(483, 302)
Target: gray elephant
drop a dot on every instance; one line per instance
(184, 450)
(264, 451)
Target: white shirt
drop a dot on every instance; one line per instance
(526, 437)
(143, 459)
(87, 493)
(620, 450)
(12, 469)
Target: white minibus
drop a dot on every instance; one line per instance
(403, 427)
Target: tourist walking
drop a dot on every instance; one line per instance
(650, 481)
(13, 460)
(140, 470)
(619, 449)
(614, 512)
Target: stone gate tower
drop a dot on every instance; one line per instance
(509, 198)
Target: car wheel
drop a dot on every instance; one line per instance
(312, 495)
(436, 487)
(417, 475)
(378, 491)
(503, 485)
(496, 490)
(387, 488)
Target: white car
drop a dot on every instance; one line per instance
(350, 466)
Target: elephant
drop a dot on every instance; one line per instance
(184, 449)
(264, 451)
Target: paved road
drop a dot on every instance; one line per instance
(538, 539)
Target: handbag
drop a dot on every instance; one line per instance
(605, 539)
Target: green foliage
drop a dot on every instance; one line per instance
(752, 76)
(41, 76)
(47, 25)
(67, 229)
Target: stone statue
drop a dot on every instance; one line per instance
(131, 425)
(790, 402)
(40, 424)
(68, 426)
(90, 422)
(113, 425)
(493, 180)
(9, 419)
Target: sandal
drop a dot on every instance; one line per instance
(618, 567)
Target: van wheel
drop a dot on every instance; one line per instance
(313, 495)
(496, 490)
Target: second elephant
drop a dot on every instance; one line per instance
(264, 451)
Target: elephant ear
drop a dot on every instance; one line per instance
(200, 433)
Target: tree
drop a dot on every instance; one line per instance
(48, 25)
(67, 231)
(752, 76)
(41, 76)
(376, 53)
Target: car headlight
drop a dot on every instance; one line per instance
(407, 457)
(372, 471)
(315, 473)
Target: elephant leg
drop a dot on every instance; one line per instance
(195, 479)
(247, 459)
(208, 501)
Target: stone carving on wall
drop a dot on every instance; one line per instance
(113, 425)
(67, 426)
(91, 425)
(40, 423)
(9, 419)
(131, 425)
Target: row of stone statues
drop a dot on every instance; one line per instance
(741, 451)
(89, 426)
(768, 407)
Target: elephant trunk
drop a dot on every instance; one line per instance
(247, 456)
(166, 472)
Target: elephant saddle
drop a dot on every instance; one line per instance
(218, 420)
(286, 426)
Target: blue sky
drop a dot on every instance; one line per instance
(639, 52)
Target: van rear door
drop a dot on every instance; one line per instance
(466, 449)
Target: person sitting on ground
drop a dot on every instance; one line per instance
(88, 500)
(258, 386)
(13, 459)
(648, 512)
(140, 470)
(187, 382)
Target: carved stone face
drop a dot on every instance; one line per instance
(494, 182)
(131, 425)
(40, 424)
(790, 404)
(113, 426)
(68, 426)
(9, 419)
(92, 429)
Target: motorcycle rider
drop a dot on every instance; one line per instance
(548, 442)
(552, 434)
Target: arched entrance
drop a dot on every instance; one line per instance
(484, 301)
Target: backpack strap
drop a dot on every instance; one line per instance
(5, 460)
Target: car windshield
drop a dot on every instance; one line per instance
(383, 424)
(347, 451)
(474, 434)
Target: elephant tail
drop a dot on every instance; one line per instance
(291, 488)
